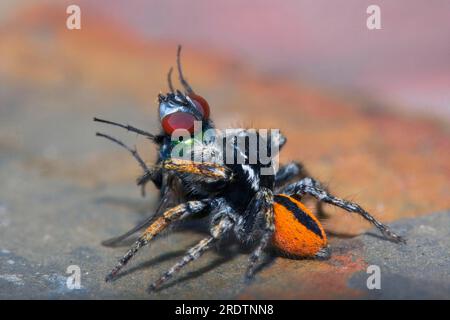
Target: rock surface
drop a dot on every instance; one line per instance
(418, 270)
(63, 190)
(64, 226)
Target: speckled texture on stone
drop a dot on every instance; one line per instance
(63, 191)
(418, 270)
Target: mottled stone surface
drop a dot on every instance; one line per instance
(63, 191)
(60, 225)
(419, 270)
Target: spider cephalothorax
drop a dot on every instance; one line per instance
(237, 197)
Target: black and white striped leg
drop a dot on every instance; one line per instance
(257, 253)
(291, 171)
(269, 228)
(312, 187)
(217, 231)
(288, 172)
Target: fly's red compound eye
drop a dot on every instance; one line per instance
(178, 120)
(201, 104)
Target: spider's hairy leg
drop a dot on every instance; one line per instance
(181, 77)
(269, 228)
(288, 172)
(155, 138)
(149, 173)
(295, 170)
(155, 175)
(161, 206)
(279, 141)
(169, 80)
(176, 213)
(217, 231)
(207, 169)
(313, 188)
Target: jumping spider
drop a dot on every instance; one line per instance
(259, 209)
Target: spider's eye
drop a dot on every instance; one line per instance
(201, 104)
(178, 120)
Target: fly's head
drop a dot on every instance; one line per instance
(179, 110)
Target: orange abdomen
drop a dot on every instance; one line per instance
(297, 231)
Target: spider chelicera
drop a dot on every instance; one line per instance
(260, 209)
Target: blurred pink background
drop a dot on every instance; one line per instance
(406, 64)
